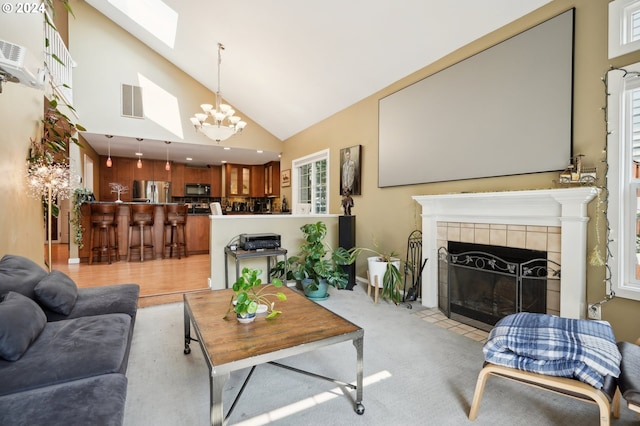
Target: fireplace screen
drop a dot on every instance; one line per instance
(478, 285)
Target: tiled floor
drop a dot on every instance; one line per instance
(434, 316)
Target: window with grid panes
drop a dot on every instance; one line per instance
(310, 183)
(623, 180)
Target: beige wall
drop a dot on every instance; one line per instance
(21, 110)
(386, 214)
(108, 56)
(389, 214)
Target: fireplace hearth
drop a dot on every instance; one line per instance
(480, 284)
(560, 211)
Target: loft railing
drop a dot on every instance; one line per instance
(58, 62)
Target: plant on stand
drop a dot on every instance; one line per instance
(384, 271)
(250, 293)
(318, 265)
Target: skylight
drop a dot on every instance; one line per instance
(152, 15)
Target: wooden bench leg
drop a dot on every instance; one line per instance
(477, 394)
(550, 383)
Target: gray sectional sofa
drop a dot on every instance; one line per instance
(63, 350)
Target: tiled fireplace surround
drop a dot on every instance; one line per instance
(552, 220)
(542, 238)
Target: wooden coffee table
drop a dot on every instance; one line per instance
(228, 345)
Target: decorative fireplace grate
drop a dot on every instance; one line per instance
(479, 288)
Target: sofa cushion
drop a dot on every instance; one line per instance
(98, 400)
(19, 274)
(107, 299)
(69, 350)
(21, 322)
(57, 292)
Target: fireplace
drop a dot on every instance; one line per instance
(561, 212)
(480, 284)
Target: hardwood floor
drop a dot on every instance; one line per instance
(161, 280)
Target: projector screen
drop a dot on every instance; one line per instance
(504, 111)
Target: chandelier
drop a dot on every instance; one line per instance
(224, 124)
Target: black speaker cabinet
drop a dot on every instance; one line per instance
(347, 240)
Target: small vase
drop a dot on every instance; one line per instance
(245, 318)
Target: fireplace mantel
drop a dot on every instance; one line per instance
(564, 207)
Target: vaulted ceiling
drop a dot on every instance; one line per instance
(289, 64)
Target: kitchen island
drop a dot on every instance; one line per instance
(197, 231)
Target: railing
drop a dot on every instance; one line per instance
(60, 69)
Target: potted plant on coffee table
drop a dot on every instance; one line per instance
(318, 265)
(251, 296)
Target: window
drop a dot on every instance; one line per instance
(624, 27)
(310, 184)
(623, 179)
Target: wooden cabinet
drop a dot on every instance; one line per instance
(272, 179)
(160, 172)
(198, 234)
(238, 180)
(177, 179)
(257, 181)
(197, 175)
(120, 172)
(216, 181)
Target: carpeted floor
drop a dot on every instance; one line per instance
(415, 373)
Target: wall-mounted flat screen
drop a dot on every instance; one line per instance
(504, 111)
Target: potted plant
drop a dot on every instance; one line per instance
(318, 265)
(385, 268)
(250, 294)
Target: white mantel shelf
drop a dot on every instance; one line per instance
(564, 207)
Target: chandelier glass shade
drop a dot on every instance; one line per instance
(223, 123)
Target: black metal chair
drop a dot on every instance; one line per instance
(413, 266)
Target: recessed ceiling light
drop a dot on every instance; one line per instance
(260, 151)
(189, 159)
(227, 148)
(223, 161)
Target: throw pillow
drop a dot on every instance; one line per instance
(21, 322)
(57, 292)
(19, 274)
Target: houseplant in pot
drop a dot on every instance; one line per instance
(318, 265)
(385, 268)
(250, 294)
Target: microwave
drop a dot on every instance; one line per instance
(198, 189)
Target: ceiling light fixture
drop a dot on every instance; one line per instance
(109, 162)
(167, 166)
(139, 154)
(225, 124)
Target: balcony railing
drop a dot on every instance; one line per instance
(58, 62)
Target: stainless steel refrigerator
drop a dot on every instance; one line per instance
(151, 191)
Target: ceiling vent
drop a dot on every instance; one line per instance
(18, 66)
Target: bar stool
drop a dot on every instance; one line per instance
(175, 218)
(141, 217)
(103, 221)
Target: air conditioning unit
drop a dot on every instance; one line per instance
(18, 66)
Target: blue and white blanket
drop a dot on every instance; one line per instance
(547, 344)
